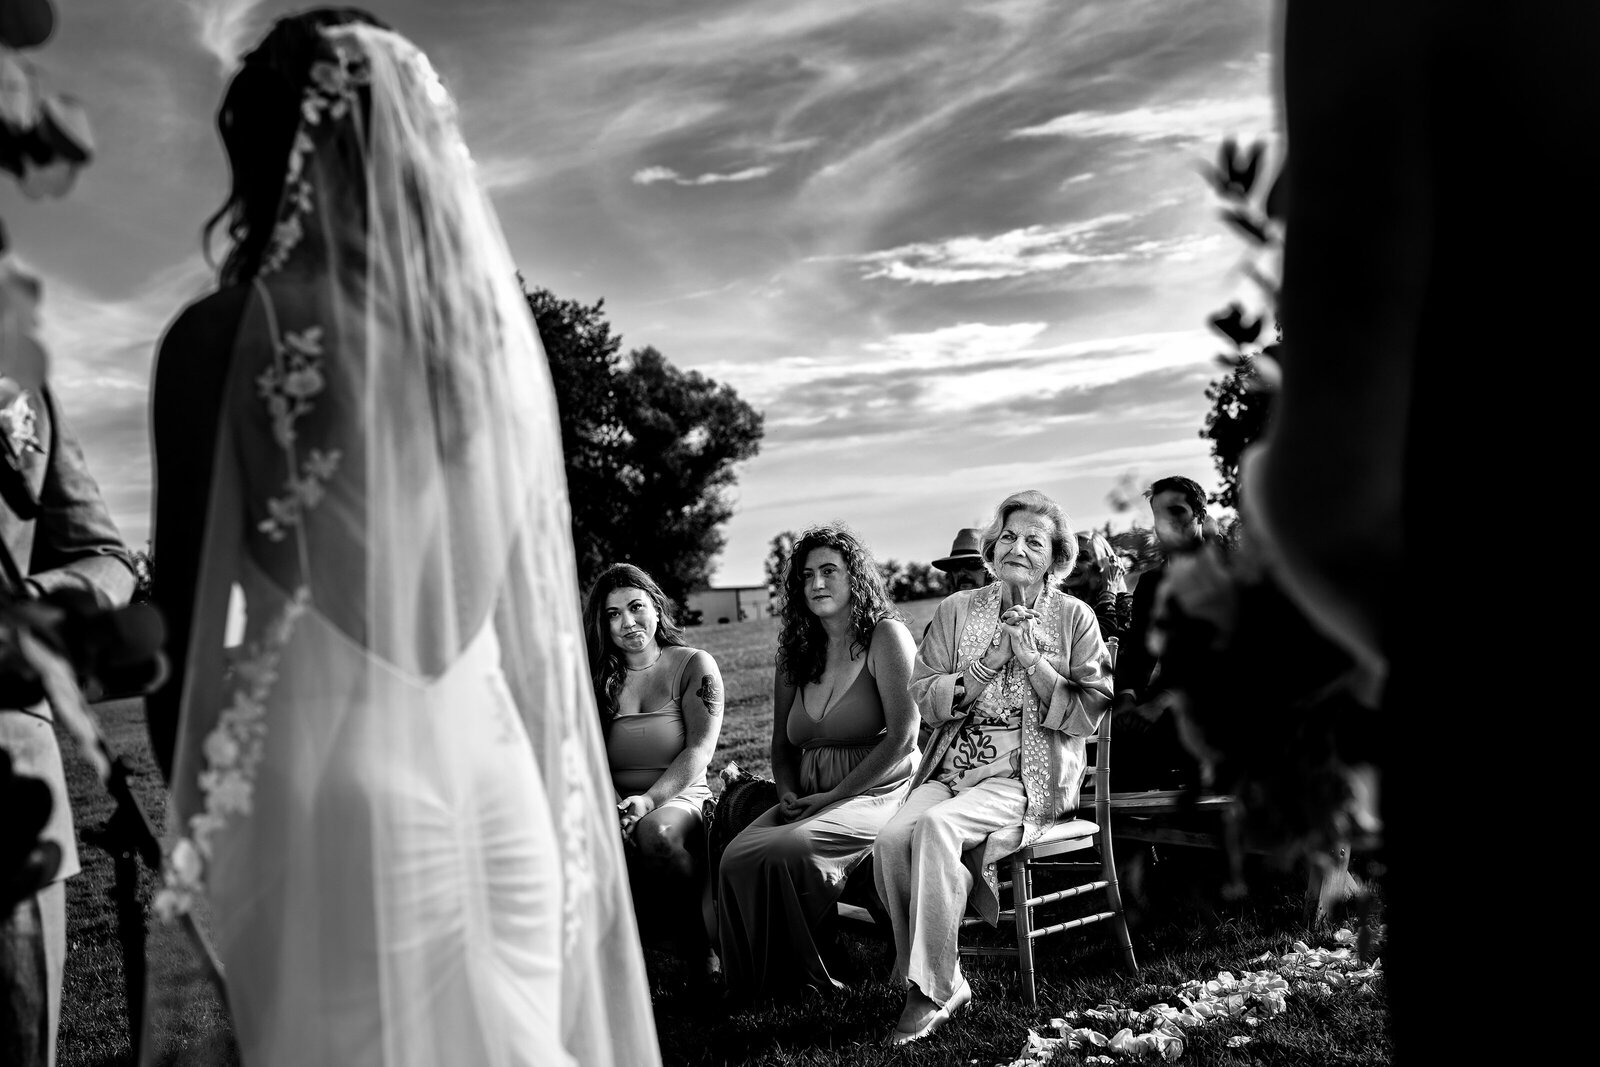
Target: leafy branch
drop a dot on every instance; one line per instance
(1241, 401)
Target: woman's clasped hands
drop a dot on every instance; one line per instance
(792, 808)
(630, 810)
(1018, 639)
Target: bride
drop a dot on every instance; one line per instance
(390, 804)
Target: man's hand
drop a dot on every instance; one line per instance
(1138, 718)
(1125, 714)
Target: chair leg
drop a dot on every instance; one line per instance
(1119, 920)
(1021, 893)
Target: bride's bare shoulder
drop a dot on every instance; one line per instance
(201, 338)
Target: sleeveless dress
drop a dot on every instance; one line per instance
(426, 812)
(640, 747)
(779, 882)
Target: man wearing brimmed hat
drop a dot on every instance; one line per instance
(964, 564)
(963, 569)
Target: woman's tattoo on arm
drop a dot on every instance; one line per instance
(710, 694)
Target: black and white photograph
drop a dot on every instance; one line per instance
(789, 533)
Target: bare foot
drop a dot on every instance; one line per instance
(916, 1013)
(921, 1016)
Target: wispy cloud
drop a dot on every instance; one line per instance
(653, 175)
(931, 390)
(959, 344)
(1045, 248)
(1195, 120)
(951, 247)
(507, 172)
(224, 27)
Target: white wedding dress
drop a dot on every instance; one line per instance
(430, 842)
(392, 807)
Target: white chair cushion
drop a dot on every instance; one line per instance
(1066, 830)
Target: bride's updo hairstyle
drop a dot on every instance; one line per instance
(258, 118)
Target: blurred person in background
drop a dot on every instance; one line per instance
(1151, 755)
(963, 567)
(1098, 579)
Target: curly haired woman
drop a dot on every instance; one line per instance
(844, 732)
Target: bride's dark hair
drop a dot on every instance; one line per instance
(260, 115)
(258, 118)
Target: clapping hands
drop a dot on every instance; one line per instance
(1114, 575)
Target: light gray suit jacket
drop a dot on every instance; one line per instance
(71, 543)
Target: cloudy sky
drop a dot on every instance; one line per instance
(952, 249)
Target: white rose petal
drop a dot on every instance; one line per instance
(186, 862)
(221, 749)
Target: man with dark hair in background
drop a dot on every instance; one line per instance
(1152, 756)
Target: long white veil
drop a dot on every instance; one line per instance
(391, 807)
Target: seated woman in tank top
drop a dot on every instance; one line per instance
(844, 748)
(661, 706)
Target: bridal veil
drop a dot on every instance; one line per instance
(391, 812)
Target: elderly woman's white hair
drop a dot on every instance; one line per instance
(1063, 543)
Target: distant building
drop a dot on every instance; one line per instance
(729, 603)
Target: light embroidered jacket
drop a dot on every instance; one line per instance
(1053, 753)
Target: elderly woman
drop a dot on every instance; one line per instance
(1014, 675)
(844, 733)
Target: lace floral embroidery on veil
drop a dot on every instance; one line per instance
(331, 94)
(288, 386)
(234, 746)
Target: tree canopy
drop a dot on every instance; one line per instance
(776, 566)
(650, 449)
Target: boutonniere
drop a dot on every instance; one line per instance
(18, 420)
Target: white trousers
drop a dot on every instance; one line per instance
(917, 865)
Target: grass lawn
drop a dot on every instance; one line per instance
(1182, 930)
